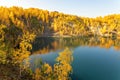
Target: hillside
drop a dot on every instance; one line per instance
(43, 22)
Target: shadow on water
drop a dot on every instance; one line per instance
(42, 42)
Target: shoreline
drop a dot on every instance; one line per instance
(69, 36)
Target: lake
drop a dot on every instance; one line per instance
(95, 58)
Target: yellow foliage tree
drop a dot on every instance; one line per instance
(61, 69)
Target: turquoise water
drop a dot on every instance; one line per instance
(90, 62)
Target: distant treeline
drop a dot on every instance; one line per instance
(40, 22)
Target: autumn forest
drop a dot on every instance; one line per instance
(19, 27)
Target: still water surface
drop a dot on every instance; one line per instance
(94, 58)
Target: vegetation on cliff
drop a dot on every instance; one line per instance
(45, 23)
(19, 27)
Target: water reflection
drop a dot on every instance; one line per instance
(94, 58)
(45, 45)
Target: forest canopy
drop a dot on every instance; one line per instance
(45, 23)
